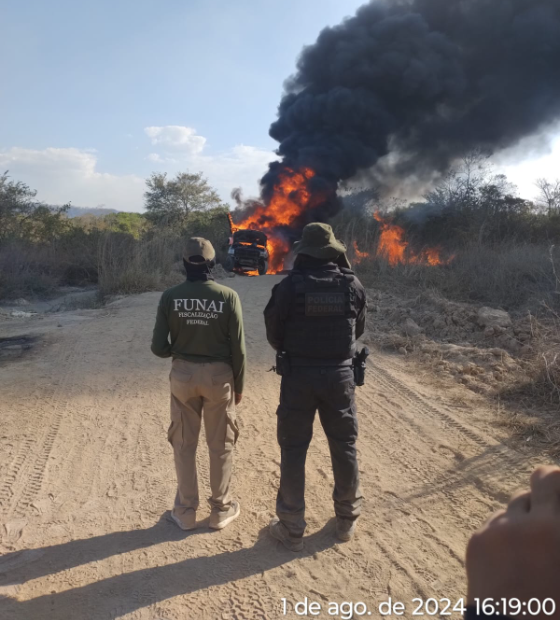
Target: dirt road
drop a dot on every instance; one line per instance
(86, 476)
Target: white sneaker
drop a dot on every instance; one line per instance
(186, 522)
(219, 520)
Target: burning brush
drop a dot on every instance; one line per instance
(393, 248)
(292, 200)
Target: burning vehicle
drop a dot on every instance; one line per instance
(248, 251)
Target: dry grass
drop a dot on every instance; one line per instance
(129, 266)
(541, 386)
(116, 262)
(548, 360)
(539, 431)
(509, 276)
(27, 270)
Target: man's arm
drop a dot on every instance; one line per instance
(361, 305)
(160, 336)
(276, 313)
(237, 340)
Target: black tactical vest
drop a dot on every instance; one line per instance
(322, 319)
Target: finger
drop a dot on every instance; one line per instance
(496, 518)
(519, 504)
(545, 489)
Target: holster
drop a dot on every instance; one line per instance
(359, 366)
(282, 363)
(359, 373)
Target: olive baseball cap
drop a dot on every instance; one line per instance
(198, 247)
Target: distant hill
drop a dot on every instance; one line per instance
(98, 211)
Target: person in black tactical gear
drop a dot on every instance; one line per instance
(312, 321)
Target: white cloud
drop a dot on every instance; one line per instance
(176, 137)
(241, 166)
(66, 174)
(182, 149)
(533, 158)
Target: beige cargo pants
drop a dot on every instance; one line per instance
(202, 391)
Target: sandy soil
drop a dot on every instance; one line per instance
(86, 478)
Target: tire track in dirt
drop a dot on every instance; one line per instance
(510, 460)
(28, 467)
(11, 477)
(413, 399)
(390, 452)
(441, 476)
(399, 566)
(424, 463)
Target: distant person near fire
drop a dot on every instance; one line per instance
(199, 325)
(312, 321)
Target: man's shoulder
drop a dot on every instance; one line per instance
(286, 283)
(351, 275)
(174, 291)
(226, 291)
(187, 287)
(357, 282)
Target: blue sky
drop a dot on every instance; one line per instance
(96, 95)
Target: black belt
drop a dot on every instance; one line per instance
(319, 362)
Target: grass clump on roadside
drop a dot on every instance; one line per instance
(128, 266)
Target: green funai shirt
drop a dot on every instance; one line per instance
(201, 321)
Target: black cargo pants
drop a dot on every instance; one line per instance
(302, 392)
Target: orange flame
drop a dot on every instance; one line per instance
(394, 248)
(359, 256)
(290, 198)
(232, 226)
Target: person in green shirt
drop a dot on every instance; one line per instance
(199, 324)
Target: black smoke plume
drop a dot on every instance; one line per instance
(406, 87)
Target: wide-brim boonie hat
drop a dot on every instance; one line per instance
(318, 241)
(196, 248)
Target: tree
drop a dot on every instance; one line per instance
(134, 224)
(16, 206)
(471, 204)
(22, 217)
(549, 196)
(170, 202)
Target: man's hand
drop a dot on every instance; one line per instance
(516, 555)
(238, 398)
